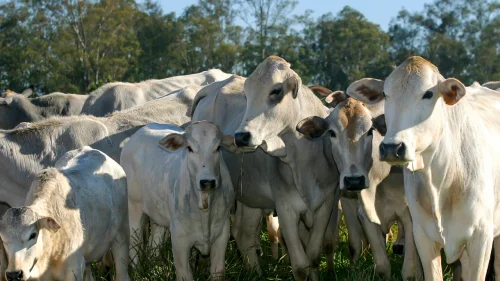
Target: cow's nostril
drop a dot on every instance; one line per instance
(400, 152)
(382, 150)
(14, 275)
(242, 139)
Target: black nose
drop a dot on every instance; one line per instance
(398, 249)
(392, 152)
(354, 183)
(207, 184)
(14, 275)
(242, 139)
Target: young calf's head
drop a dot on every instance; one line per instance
(351, 128)
(202, 141)
(22, 237)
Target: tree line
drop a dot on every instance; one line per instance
(75, 46)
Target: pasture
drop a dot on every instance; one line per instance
(161, 267)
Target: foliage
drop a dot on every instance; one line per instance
(76, 46)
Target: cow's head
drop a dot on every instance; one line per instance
(22, 231)
(202, 142)
(351, 128)
(271, 92)
(415, 96)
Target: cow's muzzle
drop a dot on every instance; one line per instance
(207, 185)
(393, 152)
(14, 275)
(355, 183)
(242, 139)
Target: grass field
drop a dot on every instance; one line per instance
(161, 267)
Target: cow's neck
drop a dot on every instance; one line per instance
(311, 162)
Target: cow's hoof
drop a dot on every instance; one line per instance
(398, 249)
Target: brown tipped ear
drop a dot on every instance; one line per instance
(292, 84)
(9, 93)
(313, 127)
(320, 90)
(367, 90)
(379, 124)
(49, 224)
(335, 98)
(452, 90)
(172, 142)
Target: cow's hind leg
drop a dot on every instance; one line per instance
(479, 250)
(429, 253)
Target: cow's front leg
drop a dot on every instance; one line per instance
(76, 266)
(411, 266)
(248, 222)
(479, 250)
(429, 253)
(355, 233)
(181, 250)
(218, 254)
(289, 220)
(317, 234)
(377, 244)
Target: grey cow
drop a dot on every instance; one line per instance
(17, 108)
(120, 95)
(24, 152)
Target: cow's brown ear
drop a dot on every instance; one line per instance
(48, 223)
(172, 142)
(335, 98)
(313, 127)
(323, 91)
(452, 90)
(292, 84)
(367, 90)
(379, 124)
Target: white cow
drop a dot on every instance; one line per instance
(74, 213)
(355, 148)
(446, 137)
(179, 179)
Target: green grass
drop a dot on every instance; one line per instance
(161, 267)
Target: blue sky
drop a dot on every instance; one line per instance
(380, 12)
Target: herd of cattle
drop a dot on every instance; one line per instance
(417, 149)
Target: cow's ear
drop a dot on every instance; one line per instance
(320, 90)
(292, 84)
(335, 98)
(48, 223)
(367, 90)
(172, 142)
(313, 127)
(28, 92)
(452, 90)
(379, 124)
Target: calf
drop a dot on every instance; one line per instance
(351, 127)
(74, 213)
(179, 179)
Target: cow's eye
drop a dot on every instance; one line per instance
(427, 95)
(332, 134)
(190, 149)
(383, 94)
(275, 92)
(370, 132)
(218, 148)
(32, 236)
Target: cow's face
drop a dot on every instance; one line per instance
(415, 95)
(22, 237)
(351, 131)
(271, 92)
(202, 143)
